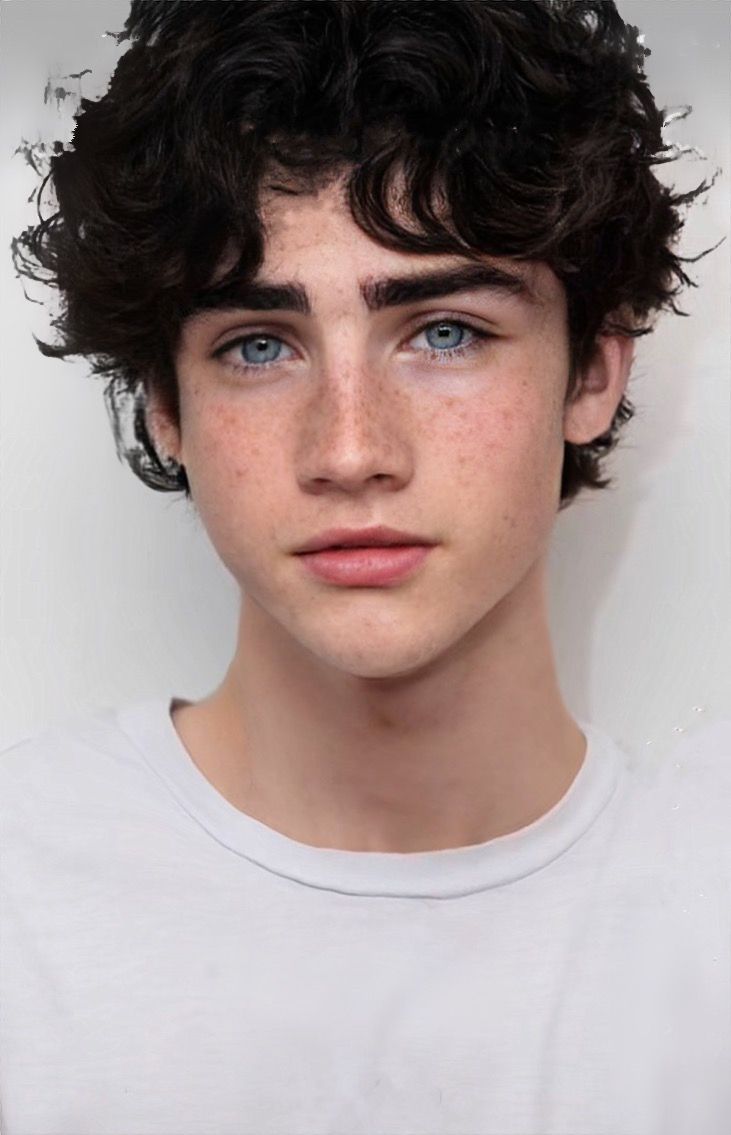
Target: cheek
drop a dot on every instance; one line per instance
(232, 477)
(506, 449)
(220, 450)
(505, 474)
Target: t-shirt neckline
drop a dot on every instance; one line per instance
(446, 873)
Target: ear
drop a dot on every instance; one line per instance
(161, 427)
(603, 382)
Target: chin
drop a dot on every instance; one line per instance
(379, 653)
(382, 671)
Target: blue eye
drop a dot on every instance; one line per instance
(261, 349)
(446, 340)
(254, 352)
(445, 335)
(442, 341)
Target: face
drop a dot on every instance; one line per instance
(440, 414)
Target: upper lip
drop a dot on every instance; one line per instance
(360, 538)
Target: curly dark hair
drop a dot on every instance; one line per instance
(532, 119)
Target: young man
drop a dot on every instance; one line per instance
(373, 273)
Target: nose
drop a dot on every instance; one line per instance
(354, 432)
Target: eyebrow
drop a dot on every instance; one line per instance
(392, 291)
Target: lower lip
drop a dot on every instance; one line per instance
(366, 567)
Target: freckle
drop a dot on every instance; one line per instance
(507, 418)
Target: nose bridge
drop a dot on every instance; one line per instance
(350, 393)
(352, 426)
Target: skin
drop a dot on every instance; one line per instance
(415, 717)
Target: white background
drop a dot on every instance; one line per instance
(110, 592)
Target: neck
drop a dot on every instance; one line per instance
(473, 746)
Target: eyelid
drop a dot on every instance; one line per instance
(426, 321)
(462, 319)
(251, 333)
(419, 321)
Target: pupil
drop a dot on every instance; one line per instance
(261, 349)
(445, 335)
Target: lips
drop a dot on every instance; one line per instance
(374, 566)
(376, 537)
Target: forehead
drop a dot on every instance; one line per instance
(313, 245)
(315, 221)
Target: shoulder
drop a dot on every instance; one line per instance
(703, 757)
(72, 734)
(693, 783)
(83, 758)
(58, 741)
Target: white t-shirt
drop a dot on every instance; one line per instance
(171, 966)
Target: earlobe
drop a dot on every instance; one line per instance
(603, 382)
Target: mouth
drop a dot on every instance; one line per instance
(360, 547)
(372, 566)
(346, 540)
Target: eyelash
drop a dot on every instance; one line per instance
(445, 355)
